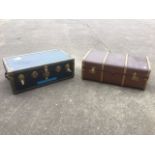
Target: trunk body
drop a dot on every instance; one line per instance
(38, 69)
(114, 68)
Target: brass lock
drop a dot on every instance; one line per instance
(135, 77)
(67, 67)
(92, 70)
(58, 68)
(34, 74)
(21, 78)
(46, 72)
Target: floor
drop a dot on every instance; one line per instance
(76, 106)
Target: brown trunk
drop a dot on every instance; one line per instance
(116, 69)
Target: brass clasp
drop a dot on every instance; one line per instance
(135, 77)
(92, 70)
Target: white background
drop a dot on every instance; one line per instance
(77, 145)
(73, 9)
(77, 9)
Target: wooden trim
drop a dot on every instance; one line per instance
(125, 70)
(149, 70)
(85, 56)
(103, 64)
(148, 63)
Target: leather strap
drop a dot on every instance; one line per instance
(103, 64)
(125, 70)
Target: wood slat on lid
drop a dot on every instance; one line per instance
(115, 63)
(138, 65)
(94, 59)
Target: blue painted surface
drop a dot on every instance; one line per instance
(35, 59)
(46, 81)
